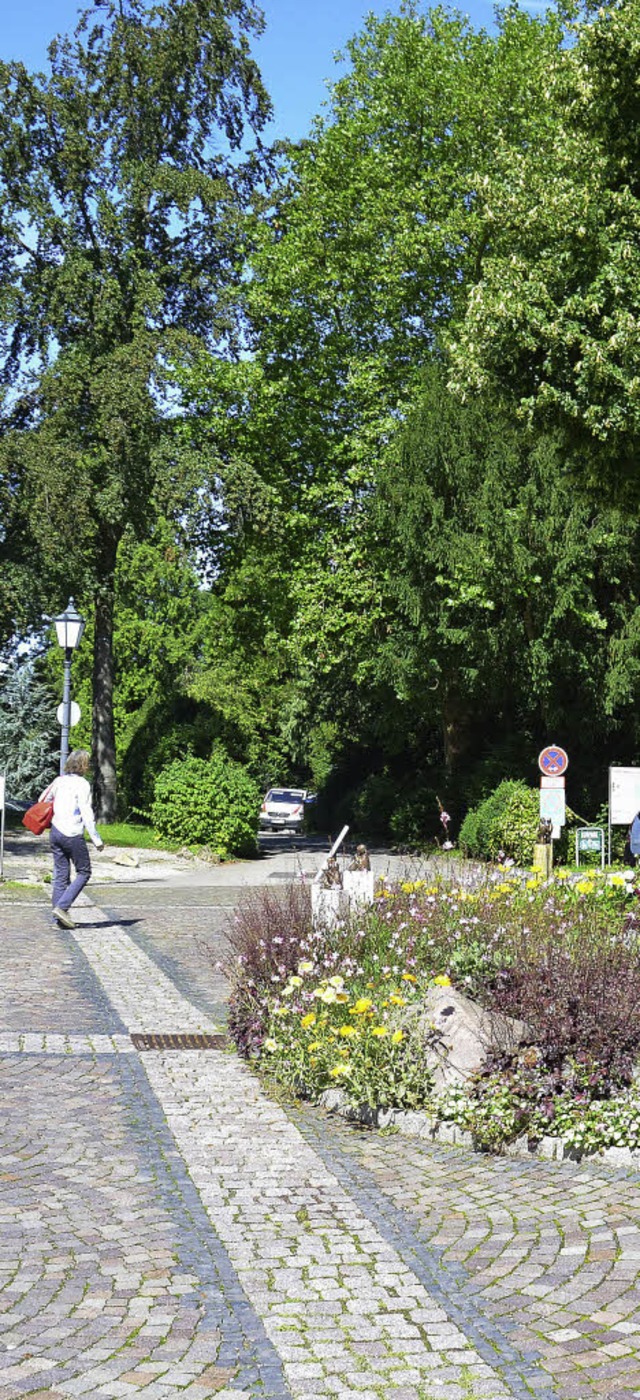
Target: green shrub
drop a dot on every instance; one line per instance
(207, 802)
(468, 838)
(373, 803)
(415, 820)
(506, 821)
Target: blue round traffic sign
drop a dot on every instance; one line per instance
(553, 760)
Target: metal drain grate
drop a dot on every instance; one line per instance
(189, 1040)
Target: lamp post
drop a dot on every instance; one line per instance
(69, 627)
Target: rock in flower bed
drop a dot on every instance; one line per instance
(345, 1007)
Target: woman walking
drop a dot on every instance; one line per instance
(72, 812)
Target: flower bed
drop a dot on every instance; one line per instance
(339, 1008)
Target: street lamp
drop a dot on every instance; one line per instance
(69, 627)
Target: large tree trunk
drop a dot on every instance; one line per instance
(456, 728)
(104, 744)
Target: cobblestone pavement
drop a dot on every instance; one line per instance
(168, 1229)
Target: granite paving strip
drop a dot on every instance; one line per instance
(347, 1314)
(142, 994)
(188, 950)
(550, 1252)
(45, 1043)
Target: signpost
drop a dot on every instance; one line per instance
(75, 714)
(553, 809)
(2, 787)
(590, 839)
(624, 797)
(553, 763)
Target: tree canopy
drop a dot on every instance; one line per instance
(121, 186)
(337, 441)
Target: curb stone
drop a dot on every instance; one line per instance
(427, 1125)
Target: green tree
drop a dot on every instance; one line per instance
(553, 319)
(511, 594)
(120, 239)
(365, 249)
(28, 737)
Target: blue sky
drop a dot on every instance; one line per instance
(295, 53)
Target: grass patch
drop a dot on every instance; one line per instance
(135, 834)
(15, 889)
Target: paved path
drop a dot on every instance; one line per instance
(168, 1230)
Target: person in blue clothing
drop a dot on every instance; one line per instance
(634, 838)
(72, 813)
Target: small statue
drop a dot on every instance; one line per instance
(332, 875)
(545, 831)
(361, 859)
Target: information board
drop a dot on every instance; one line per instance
(552, 808)
(590, 839)
(624, 795)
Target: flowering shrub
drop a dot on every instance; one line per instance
(323, 1033)
(322, 1008)
(523, 1094)
(270, 931)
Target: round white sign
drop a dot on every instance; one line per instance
(74, 714)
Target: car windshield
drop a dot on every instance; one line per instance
(284, 795)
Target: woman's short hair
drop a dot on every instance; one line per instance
(77, 762)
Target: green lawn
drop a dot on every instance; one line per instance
(134, 834)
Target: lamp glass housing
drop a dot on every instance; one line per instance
(69, 627)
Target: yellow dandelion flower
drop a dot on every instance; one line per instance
(314, 1045)
(361, 1006)
(397, 1037)
(442, 981)
(397, 1000)
(347, 1031)
(308, 1020)
(338, 1070)
(408, 977)
(379, 1030)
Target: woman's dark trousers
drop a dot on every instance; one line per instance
(66, 849)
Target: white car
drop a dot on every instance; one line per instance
(282, 808)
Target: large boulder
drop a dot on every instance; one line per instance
(463, 1035)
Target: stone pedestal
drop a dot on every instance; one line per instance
(358, 886)
(543, 859)
(328, 907)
